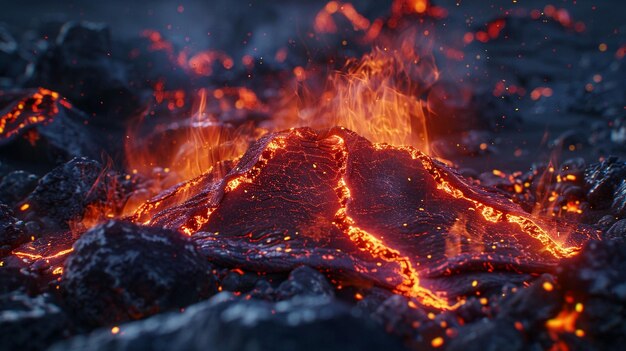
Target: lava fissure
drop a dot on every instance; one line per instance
(376, 247)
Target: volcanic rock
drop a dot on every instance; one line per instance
(602, 179)
(597, 279)
(79, 65)
(230, 323)
(11, 231)
(616, 231)
(15, 186)
(39, 127)
(120, 271)
(369, 213)
(30, 323)
(64, 194)
(304, 281)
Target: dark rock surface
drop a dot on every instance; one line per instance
(120, 271)
(15, 186)
(63, 195)
(11, 231)
(30, 323)
(597, 278)
(229, 323)
(79, 65)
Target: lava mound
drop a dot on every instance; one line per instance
(373, 213)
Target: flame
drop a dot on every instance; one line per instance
(377, 96)
(193, 147)
(565, 322)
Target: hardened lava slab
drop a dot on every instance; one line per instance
(370, 213)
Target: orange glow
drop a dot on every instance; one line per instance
(199, 220)
(377, 96)
(194, 147)
(565, 321)
(324, 22)
(547, 286)
(202, 63)
(39, 107)
(437, 342)
(365, 241)
(526, 224)
(24, 207)
(33, 256)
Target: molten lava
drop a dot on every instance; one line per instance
(367, 213)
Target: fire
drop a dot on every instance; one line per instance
(232, 184)
(377, 96)
(192, 147)
(565, 322)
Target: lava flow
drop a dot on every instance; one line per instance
(366, 213)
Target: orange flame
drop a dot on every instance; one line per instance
(377, 96)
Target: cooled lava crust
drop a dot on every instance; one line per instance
(369, 213)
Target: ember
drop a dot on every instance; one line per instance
(410, 174)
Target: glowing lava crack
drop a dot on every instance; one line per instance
(364, 214)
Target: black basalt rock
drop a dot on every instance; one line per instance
(64, 194)
(11, 231)
(120, 271)
(232, 323)
(30, 323)
(15, 186)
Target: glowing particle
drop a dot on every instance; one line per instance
(602, 47)
(475, 283)
(24, 207)
(115, 330)
(580, 333)
(437, 342)
(547, 286)
(579, 307)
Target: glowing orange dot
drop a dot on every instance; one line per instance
(115, 330)
(579, 307)
(468, 37)
(24, 207)
(228, 63)
(299, 73)
(332, 7)
(602, 47)
(420, 6)
(580, 333)
(218, 94)
(437, 342)
(547, 286)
